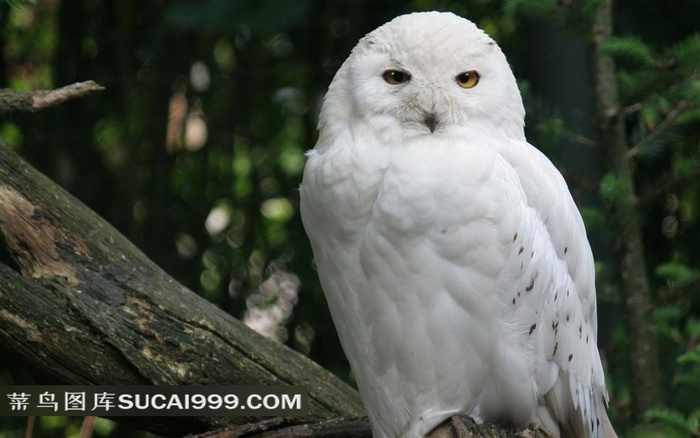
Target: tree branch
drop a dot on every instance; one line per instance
(455, 427)
(32, 101)
(666, 123)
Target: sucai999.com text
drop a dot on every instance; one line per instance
(154, 400)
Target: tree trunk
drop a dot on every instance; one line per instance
(644, 365)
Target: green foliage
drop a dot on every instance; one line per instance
(630, 47)
(664, 90)
(675, 422)
(11, 134)
(675, 271)
(691, 360)
(16, 4)
(29, 41)
(686, 55)
(665, 86)
(613, 189)
(667, 321)
(592, 217)
(676, 425)
(679, 419)
(550, 133)
(58, 427)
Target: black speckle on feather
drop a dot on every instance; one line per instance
(532, 283)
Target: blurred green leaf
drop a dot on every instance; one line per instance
(277, 209)
(613, 189)
(550, 133)
(592, 217)
(674, 271)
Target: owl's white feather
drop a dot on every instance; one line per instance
(453, 258)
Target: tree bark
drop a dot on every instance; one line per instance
(455, 427)
(645, 382)
(81, 305)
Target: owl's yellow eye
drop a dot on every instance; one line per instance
(394, 77)
(468, 79)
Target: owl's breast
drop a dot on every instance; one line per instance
(430, 187)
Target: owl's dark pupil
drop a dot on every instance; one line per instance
(396, 76)
(463, 78)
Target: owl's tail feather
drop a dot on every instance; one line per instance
(578, 412)
(607, 429)
(599, 404)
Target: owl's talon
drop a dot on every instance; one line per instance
(460, 427)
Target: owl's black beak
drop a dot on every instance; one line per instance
(431, 121)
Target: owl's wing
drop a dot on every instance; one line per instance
(554, 264)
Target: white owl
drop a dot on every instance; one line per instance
(453, 258)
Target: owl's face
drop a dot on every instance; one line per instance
(424, 80)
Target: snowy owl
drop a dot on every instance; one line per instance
(452, 256)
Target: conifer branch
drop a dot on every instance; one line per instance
(663, 126)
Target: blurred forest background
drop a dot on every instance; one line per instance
(196, 148)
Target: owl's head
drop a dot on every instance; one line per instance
(426, 73)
